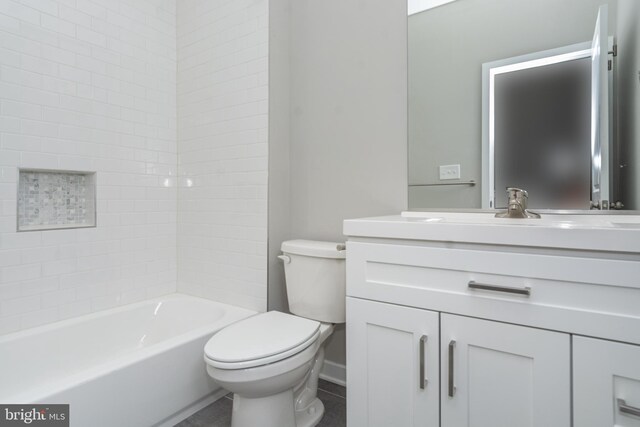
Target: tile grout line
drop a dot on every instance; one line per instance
(331, 393)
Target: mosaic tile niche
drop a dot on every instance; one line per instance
(56, 199)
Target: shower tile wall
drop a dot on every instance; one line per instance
(88, 85)
(222, 139)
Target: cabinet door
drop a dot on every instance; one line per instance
(386, 347)
(606, 378)
(501, 375)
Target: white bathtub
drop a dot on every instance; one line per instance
(137, 365)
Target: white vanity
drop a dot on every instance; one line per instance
(460, 319)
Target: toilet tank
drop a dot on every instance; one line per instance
(315, 276)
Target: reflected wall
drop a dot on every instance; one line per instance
(447, 47)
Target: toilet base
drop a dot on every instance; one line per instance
(269, 411)
(274, 411)
(311, 415)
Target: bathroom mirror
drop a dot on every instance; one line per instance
(450, 42)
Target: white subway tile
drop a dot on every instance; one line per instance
(19, 11)
(56, 268)
(38, 128)
(77, 163)
(74, 45)
(9, 124)
(222, 123)
(38, 160)
(74, 309)
(9, 207)
(20, 109)
(9, 257)
(91, 36)
(37, 318)
(46, 6)
(34, 96)
(90, 291)
(74, 74)
(38, 65)
(61, 56)
(21, 77)
(12, 141)
(58, 298)
(105, 302)
(91, 64)
(39, 34)
(57, 25)
(39, 286)
(19, 273)
(20, 240)
(9, 324)
(9, 24)
(76, 16)
(18, 44)
(105, 28)
(54, 84)
(91, 8)
(38, 254)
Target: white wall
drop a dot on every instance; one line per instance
(349, 113)
(348, 98)
(279, 147)
(222, 143)
(88, 85)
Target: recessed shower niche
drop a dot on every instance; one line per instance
(52, 199)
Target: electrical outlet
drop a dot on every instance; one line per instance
(449, 172)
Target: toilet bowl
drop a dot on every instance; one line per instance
(272, 361)
(271, 388)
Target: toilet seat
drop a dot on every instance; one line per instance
(260, 340)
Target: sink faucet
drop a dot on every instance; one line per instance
(517, 207)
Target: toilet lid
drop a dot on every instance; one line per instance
(264, 338)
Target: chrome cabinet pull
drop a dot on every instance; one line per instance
(626, 409)
(423, 373)
(485, 287)
(452, 387)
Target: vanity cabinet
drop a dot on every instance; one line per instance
(393, 365)
(509, 334)
(406, 362)
(500, 375)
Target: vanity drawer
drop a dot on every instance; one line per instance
(606, 383)
(558, 292)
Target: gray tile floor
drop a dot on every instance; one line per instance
(218, 414)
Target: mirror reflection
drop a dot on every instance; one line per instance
(536, 128)
(542, 95)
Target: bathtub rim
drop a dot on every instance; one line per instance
(38, 394)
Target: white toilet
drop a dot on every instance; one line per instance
(271, 361)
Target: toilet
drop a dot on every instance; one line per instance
(271, 361)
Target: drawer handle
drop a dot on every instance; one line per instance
(482, 286)
(423, 369)
(626, 409)
(452, 386)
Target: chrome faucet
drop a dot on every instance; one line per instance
(517, 207)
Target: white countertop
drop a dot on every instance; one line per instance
(618, 233)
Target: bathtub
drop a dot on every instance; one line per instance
(137, 365)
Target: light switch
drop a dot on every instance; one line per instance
(449, 172)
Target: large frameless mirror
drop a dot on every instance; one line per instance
(540, 95)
